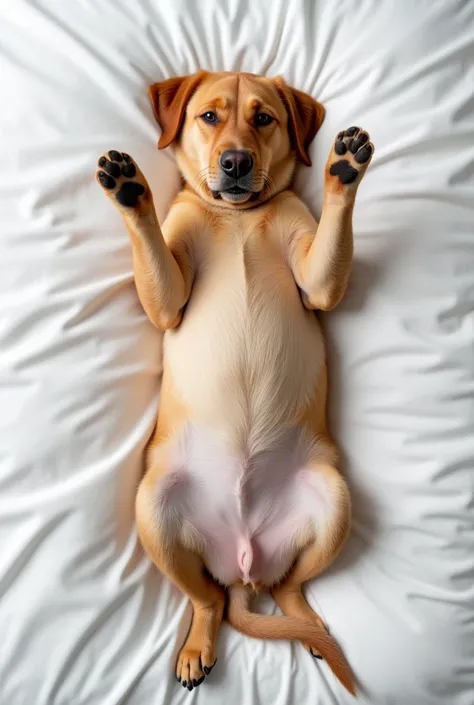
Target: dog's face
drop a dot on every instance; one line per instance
(237, 137)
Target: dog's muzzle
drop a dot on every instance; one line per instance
(237, 175)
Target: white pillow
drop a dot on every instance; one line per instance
(84, 617)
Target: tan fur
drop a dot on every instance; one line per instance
(207, 244)
(301, 624)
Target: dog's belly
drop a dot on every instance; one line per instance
(244, 363)
(247, 517)
(247, 357)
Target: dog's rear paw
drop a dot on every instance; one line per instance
(122, 180)
(348, 161)
(193, 666)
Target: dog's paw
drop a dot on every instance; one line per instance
(193, 666)
(348, 161)
(122, 180)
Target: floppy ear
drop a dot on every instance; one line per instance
(169, 100)
(305, 117)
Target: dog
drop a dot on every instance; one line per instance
(242, 490)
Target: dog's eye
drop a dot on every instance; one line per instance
(262, 119)
(210, 117)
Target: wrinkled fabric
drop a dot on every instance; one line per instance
(84, 618)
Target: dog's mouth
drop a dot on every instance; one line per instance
(236, 190)
(236, 194)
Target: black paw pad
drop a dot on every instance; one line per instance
(115, 156)
(111, 168)
(357, 143)
(129, 170)
(126, 157)
(350, 132)
(340, 135)
(363, 155)
(346, 173)
(101, 161)
(128, 193)
(340, 147)
(105, 180)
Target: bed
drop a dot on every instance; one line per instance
(84, 616)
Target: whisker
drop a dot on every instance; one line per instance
(267, 178)
(202, 176)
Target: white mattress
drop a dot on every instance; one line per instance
(84, 618)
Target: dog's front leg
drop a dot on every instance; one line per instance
(163, 272)
(322, 264)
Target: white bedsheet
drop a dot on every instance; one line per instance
(84, 618)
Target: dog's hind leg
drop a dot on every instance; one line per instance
(185, 569)
(330, 535)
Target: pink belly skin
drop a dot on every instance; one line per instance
(245, 515)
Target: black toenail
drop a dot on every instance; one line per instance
(178, 678)
(346, 173)
(318, 656)
(128, 193)
(350, 144)
(351, 131)
(129, 170)
(184, 684)
(196, 683)
(340, 136)
(340, 147)
(207, 669)
(101, 161)
(112, 168)
(190, 686)
(105, 180)
(126, 157)
(115, 156)
(363, 155)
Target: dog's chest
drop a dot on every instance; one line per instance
(246, 345)
(243, 278)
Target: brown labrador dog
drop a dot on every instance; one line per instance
(242, 489)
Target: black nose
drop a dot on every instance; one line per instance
(236, 162)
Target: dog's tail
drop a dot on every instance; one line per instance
(262, 626)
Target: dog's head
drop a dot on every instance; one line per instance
(237, 136)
